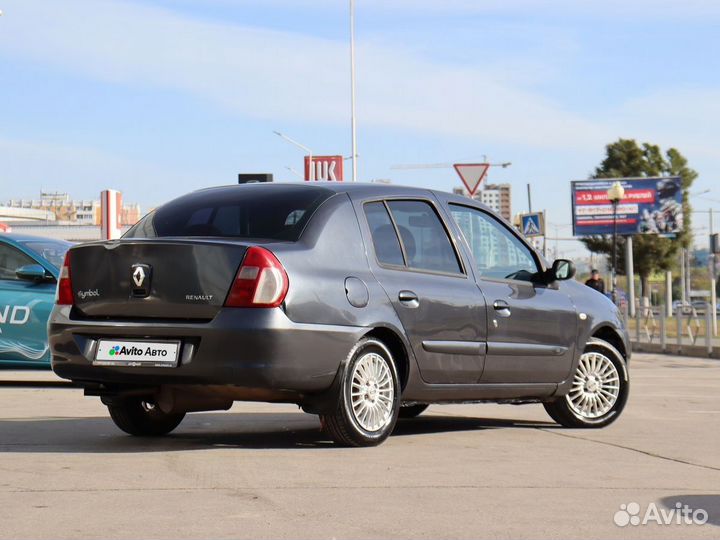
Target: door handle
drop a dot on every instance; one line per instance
(502, 308)
(409, 298)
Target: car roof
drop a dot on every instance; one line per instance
(15, 238)
(360, 189)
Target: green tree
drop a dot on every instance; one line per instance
(652, 253)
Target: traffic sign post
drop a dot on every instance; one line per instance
(472, 175)
(532, 224)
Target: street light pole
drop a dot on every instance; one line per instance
(296, 173)
(615, 194)
(713, 285)
(311, 165)
(614, 253)
(352, 91)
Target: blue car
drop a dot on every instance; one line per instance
(29, 268)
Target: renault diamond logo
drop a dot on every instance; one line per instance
(139, 276)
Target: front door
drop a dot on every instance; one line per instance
(532, 326)
(440, 307)
(24, 310)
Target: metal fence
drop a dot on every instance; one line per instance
(688, 331)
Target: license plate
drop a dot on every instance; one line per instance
(137, 353)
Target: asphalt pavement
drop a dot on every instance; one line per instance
(457, 471)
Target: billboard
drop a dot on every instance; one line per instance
(650, 206)
(325, 168)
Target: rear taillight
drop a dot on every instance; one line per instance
(261, 281)
(64, 296)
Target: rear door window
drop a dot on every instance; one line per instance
(425, 241)
(385, 240)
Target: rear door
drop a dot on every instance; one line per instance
(24, 310)
(532, 326)
(440, 307)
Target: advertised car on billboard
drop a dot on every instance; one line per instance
(29, 268)
(649, 206)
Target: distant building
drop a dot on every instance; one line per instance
(64, 209)
(17, 213)
(496, 196)
(130, 214)
(59, 207)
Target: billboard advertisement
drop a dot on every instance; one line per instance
(650, 206)
(325, 168)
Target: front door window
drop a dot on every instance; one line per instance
(497, 252)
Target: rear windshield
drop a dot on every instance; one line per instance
(248, 211)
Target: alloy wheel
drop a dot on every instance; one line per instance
(372, 393)
(596, 386)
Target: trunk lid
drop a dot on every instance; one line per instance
(154, 278)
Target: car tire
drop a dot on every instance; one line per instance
(599, 390)
(369, 397)
(143, 419)
(412, 411)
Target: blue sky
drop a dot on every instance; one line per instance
(157, 98)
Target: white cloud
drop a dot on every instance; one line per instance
(27, 167)
(611, 9)
(292, 77)
(254, 71)
(683, 117)
(280, 75)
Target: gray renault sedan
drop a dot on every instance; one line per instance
(362, 303)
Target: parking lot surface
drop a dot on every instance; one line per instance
(457, 471)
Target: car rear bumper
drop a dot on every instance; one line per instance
(253, 348)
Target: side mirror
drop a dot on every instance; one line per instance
(562, 269)
(31, 272)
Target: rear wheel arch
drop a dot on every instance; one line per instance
(391, 340)
(397, 348)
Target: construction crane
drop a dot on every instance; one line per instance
(406, 166)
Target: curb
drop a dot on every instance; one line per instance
(696, 351)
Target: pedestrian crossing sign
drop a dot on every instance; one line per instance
(533, 224)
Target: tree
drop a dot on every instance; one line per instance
(652, 253)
